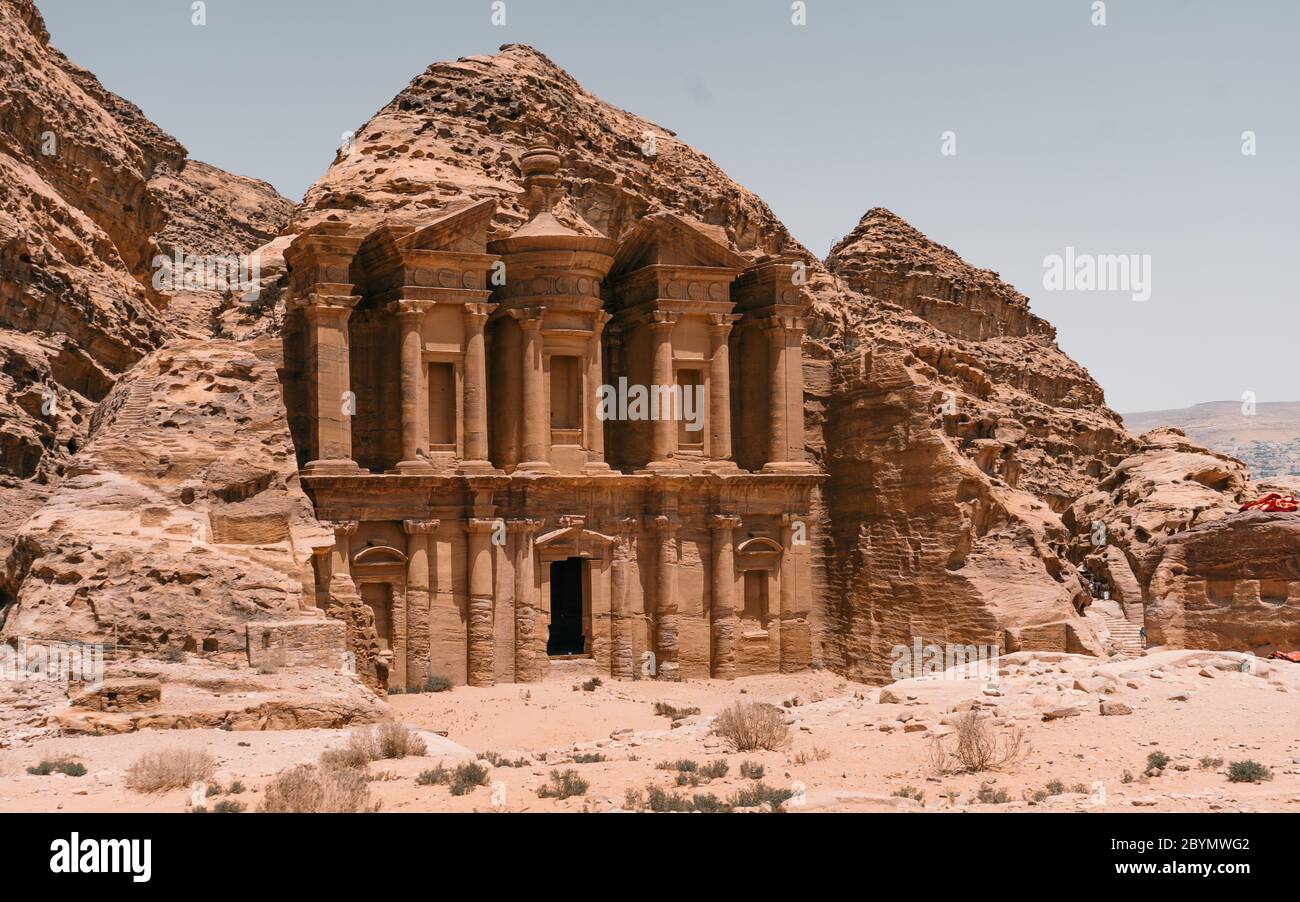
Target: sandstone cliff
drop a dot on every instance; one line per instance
(147, 479)
(90, 193)
(1164, 535)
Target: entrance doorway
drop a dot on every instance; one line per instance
(566, 636)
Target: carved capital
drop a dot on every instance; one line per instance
(343, 528)
(529, 318)
(664, 525)
(317, 305)
(420, 527)
(476, 315)
(524, 526)
(481, 524)
(661, 320)
(720, 323)
(724, 521)
(410, 309)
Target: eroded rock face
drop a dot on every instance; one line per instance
(91, 192)
(1165, 535)
(181, 519)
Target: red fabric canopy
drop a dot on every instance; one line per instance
(1273, 501)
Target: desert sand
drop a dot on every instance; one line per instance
(846, 751)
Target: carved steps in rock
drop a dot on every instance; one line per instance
(1125, 635)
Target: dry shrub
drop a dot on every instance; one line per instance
(360, 751)
(397, 740)
(975, 747)
(169, 769)
(752, 725)
(307, 789)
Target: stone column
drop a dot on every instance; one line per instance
(329, 373)
(663, 438)
(340, 568)
(778, 444)
(475, 388)
(527, 663)
(720, 390)
(536, 451)
(410, 316)
(794, 636)
(481, 639)
(419, 538)
(785, 369)
(722, 612)
(665, 595)
(622, 656)
(595, 426)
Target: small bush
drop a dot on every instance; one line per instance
(496, 759)
(752, 770)
(663, 709)
(1208, 763)
(563, 785)
(228, 806)
(682, 765)
(359, 752)
(976, 747)
(66, 766)
(1248, 772)
(396, 740)
(213, 790)
(1055, 788)
(307, 789)
(236, 788)
(591, 684)
(1156, 762)
(909, 792)
(437, 684)
(1127, 777)
(750, 726)
(807, 757)
(169, 769)
(990, 796)
(714, 770)
(588, 758)
(761, 794)
(433, 777)
(661, 800)
(708, 803)
(466, 777)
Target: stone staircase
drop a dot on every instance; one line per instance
(1126, 636)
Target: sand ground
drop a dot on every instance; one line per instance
(847, 751)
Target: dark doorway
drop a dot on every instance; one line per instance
(566, 636)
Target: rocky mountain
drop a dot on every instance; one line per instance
(1265, 435)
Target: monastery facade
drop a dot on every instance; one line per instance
(552, 445)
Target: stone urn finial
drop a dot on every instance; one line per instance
(541, 165)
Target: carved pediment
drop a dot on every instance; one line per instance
(576, 541)
(667, 239)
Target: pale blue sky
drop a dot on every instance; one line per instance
(1115, 139)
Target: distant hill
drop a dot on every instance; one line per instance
(1268, 441)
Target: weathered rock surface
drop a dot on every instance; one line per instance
(181, 519)
(1164, 532)
(90, 193)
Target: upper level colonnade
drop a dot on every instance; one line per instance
(423, 347)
